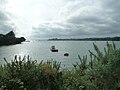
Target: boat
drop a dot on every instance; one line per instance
(53, 49)
(66, 54)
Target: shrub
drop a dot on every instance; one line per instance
(23, 73)
(101, 73)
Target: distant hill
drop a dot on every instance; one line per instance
(88, 39)
(10, 39)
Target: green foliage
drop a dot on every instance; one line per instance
(23, 73)
(102, 72)
(105, 70)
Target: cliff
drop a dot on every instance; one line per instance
(10, 39)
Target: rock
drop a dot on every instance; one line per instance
(11, 33)
(19, 40)
(10, 39)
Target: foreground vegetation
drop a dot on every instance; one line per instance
(101, 73)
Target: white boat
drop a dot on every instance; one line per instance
(53, 49)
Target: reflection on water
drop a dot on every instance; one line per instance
(40, 50)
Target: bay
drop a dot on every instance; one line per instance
(40, 50)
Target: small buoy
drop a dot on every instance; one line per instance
(66, 54)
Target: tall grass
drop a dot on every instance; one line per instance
(101, 73)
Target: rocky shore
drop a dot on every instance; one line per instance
(10, 39)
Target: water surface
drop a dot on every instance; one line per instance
(40, 50)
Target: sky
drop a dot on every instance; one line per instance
(39, 19)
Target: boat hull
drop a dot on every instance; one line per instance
(54, 50)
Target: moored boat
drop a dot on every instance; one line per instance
(66, 54)
(53, 49)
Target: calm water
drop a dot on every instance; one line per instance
(40, 50)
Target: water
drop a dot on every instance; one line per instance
(40, 50)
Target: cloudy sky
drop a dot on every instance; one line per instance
(60, 18)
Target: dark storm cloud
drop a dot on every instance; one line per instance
(58, 30)
(5, 22)
(3, 17)
(105, 20)
(83, 18)
(49, 31)
(113, 6)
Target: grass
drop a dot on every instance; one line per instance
(101, 73)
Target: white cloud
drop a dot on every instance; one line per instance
(80, 18)
(61, 18)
